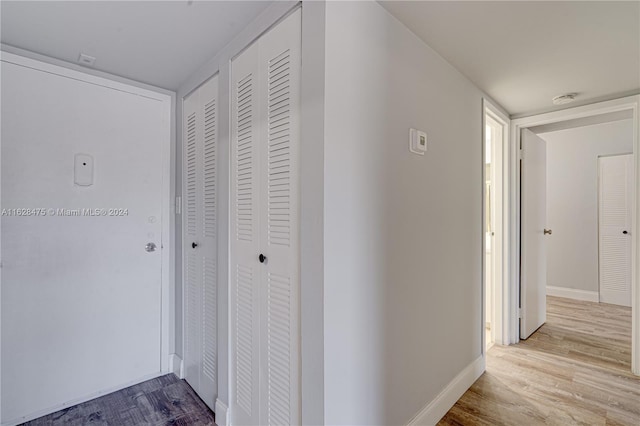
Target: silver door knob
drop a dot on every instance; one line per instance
(150, 247)
(547, 232)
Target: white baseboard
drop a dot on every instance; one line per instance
(176, 365)
(572, 293)
(222, 413)
(436, 409)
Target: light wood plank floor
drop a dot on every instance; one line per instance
(575, 370)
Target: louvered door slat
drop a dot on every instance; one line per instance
(210, 157)
(209, 321)
(190, 163)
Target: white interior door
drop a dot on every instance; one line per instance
(200, 127)
(81, 297)
(245, 238)
(533, 274)
(279, 206)
(615, 176)
(264, 288)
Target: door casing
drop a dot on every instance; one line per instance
(498, 317)
(513, 225)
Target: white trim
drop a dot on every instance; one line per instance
(312, 151)
(436, 409)
(5, 48)
(627, 103)
(222, 413)
(176, 365)
(500, 303)
(573, 293)
(0, 264)
(89, 397)
(167, 246)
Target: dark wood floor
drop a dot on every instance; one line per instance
(575, 370)
(165, 400)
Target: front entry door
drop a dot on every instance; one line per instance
(81, 238)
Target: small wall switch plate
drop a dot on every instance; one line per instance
(83, 170)
(417, 141)
(86, 60)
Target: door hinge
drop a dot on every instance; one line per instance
(520, 313)
(178, 205)
(520, 154)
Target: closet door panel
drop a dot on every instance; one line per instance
(265, 85)
(192, 214)
(280, 93)
(207, 245)
(245, 238)
(200, 253)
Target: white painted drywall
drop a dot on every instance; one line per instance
(572, 199)
(402, 233)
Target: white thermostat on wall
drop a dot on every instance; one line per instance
(417, 141)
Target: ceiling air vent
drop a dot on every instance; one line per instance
(86, 60)
(564, 99)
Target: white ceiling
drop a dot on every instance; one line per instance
(156, 42)
(523, 53)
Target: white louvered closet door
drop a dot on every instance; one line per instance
(200, 251)
(245, 239)
(279, 177)
(615, 198)
(265, 295)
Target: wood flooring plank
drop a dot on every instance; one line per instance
(575, 370)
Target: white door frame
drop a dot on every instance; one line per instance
(167, 145)
(512, 290)
(500, 300)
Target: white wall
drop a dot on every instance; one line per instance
(402, 248)
(572, 199)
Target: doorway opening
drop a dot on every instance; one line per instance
(570, 205)
(495, 139)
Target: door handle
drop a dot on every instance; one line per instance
(150, 247)
(547, 232)
(625, 232)
(262, 258)
(194, 245)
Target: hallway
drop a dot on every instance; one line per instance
(575, 370)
